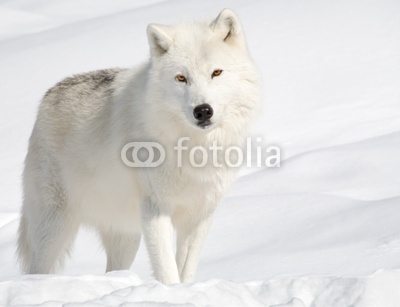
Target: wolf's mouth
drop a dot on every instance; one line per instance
(204, 123)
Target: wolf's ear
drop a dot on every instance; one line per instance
(159, 39)
(228, 27)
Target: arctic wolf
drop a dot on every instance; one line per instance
(199, 83)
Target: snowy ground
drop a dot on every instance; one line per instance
(322, 230)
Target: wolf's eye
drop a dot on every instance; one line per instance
(216, 73)
(180, 78)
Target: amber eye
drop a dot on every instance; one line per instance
(180, 78)
(216, 73)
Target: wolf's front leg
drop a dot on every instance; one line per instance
(158, 236)
(190, 239)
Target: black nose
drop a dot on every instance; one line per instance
(203, 112)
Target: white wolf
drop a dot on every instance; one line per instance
(199, 83)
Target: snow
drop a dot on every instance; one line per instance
(321, 230)
(125, 288)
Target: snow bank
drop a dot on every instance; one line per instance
(124, 288)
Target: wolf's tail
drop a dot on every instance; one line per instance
(23, 245)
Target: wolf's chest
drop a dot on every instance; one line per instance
(188, 185)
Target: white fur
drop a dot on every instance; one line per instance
(74, 174)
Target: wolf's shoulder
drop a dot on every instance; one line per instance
(84, 83)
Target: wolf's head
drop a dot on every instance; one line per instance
(201, 74)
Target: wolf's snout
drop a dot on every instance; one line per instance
(203, 112)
